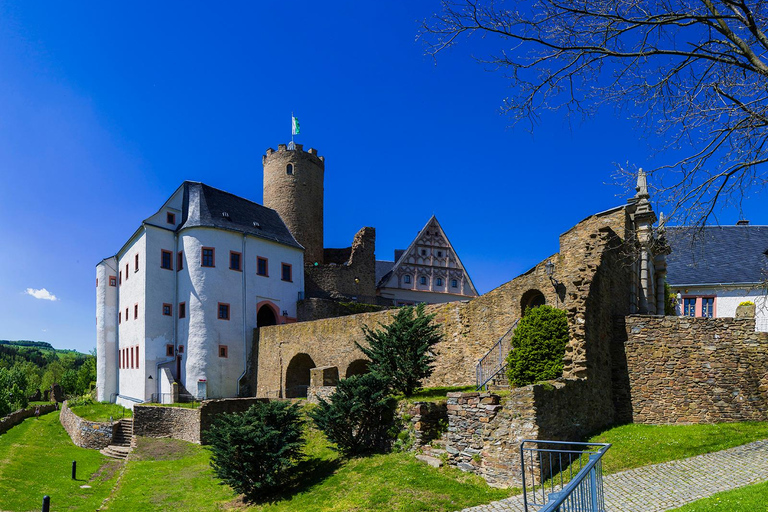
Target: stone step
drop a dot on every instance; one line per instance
(116, 452)
(432, 461)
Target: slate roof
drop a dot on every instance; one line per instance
(717, 255)
(382, 269)
(205, 206)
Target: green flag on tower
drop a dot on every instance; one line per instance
(295, 129)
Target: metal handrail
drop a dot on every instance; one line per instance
(583, 491)
(495, 360)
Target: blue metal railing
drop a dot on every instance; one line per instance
(495, 360)
(564, 476)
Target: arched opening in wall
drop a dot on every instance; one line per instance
(265, 316)
(531, 299)
(297, 376)
(357, 367)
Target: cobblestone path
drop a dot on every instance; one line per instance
(671, 484)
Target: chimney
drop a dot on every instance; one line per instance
(743, 222)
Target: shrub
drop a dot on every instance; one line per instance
(538, 346)
(399, 351)
(358, 416)
(256, 452)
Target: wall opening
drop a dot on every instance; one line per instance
(265, 316)
(297, 376)
(357, 367)
(531, 299)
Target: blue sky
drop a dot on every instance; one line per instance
(106, 107)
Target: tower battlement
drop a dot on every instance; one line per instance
(298, 148)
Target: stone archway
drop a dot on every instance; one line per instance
(265, 315)
(531, 299)
(297, 376)
(357, 367)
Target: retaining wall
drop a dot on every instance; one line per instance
(16, 417)
(86, 434)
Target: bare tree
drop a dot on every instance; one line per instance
(694, 73)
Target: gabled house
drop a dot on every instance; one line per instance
(428, 271)
(715, 268)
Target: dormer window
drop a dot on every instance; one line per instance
(289, 169)
(170, 218)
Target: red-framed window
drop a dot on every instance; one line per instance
(223, 351)
(262, 266)
(286, 272)
(112, 281)
(207, 257)
(223, 313)
(170, 218)
(97, 282)
(136, 311)
(119, 317)
(166, 259)
(180, 261)
(136, 266)
(126, 314)
(235, 261)
(169, 350)
(131, 350)
(167, 309)
(120, 278)
(181, 349)
(137, 357)
(126, 271)
(182, 310)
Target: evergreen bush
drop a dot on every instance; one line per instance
(358, 416)
(257, 451)
(538, 346)
(400, 351)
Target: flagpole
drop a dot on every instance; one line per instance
(291, 127)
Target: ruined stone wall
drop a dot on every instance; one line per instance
(16, 417)
(86, 434)
(315, 309)
(424, 420)
(696, 370)
(210, 409)
(354, 277)
(588, 263)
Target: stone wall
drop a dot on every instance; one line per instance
(174, 422)
(695, 370)
(426, 420)
(86, 434)
(314, 308)
(16, 417)
(592, 289)
(183, 423)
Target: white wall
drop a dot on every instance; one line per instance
(727, 300)
(131, 381)
(106, 330)
(202, 332)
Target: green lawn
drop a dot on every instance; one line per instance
(184, 405)
(101, 411)
(36, 459)
(751, 498)
(435, 394)
(641, 445)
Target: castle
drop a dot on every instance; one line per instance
(179, 302)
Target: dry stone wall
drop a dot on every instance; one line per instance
(16, 417)
(86, 434)
(425, 420)
(696, 370)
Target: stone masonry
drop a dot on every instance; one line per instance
(16, 417)
(86, 434)
(696, 370)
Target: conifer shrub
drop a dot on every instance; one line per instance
(256, 452)
(400, 351)
(538, 346)
(358, 416)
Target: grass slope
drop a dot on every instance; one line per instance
(641, 445)
(751, 498)
(36, 459)
(101, 411)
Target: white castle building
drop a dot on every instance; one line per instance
(180, 300)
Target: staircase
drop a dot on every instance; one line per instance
(123, 441)
(490, 369)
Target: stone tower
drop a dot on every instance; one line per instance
(293, 186)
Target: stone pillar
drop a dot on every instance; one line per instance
(660, 264)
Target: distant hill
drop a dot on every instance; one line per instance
(26, 343)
